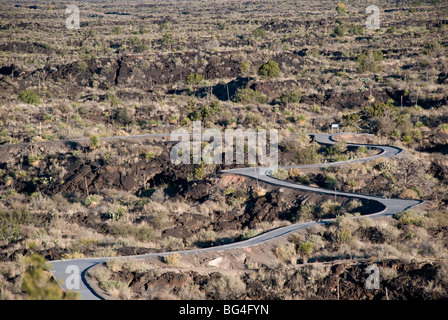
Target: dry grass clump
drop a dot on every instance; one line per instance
(172, 259)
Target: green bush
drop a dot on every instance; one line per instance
(11, 222)
(370, 61)
(259, 33)
(341, 8)
(29, 97)
(249, 96)
(194, 79)
(305, 248)
(339, 31)
(281, 174)
(409, 217)
(249, 234)
(117, 30)
(307, 155)
(331, 181)
(356, 30)
(291, 97)
(253, 118)
(91, 201)
(94, 142)
(269, 69)
(246, 68)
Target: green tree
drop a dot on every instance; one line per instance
(38, 286)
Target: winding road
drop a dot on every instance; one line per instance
(63, 270)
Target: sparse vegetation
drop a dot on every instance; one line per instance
(288, 66)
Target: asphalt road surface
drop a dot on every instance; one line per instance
(63, 270)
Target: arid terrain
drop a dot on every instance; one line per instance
(144, 67)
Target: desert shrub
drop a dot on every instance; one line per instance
(134, 41)
(281, 174)
(91, 200)
(356, 30)
(246, 68)
(149, 155)
(94, 142)
(409, 194)
(167, 38)
(116, 289)
(117, 30)
(222, 25)
(194, 79)
(144, 233)
(34, 159)
(29, 97)
(11, 222)
(124, 115)
(392, 29)
(443, 128)
(331, 181)
(253, 118)
(354, 204)
(305, 248)
(199, 171)
(172, 243)
(341, 8)
(295, 172)
(382, 109)
(116, 212)
(249, 234)
(315, 109)
(307, 155)
(269, 69)
(409, 217)
(305, 213)
(344, 236)
(385, 166)
(339, 30)
(249, 96)
(329, 207)
(370, 61)
(362, 150)
(259, 33)
(172, 259)
(338, 148)
(285, 252)
(434, 49)
(81, 65)
(226, 287)
(291, 97)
